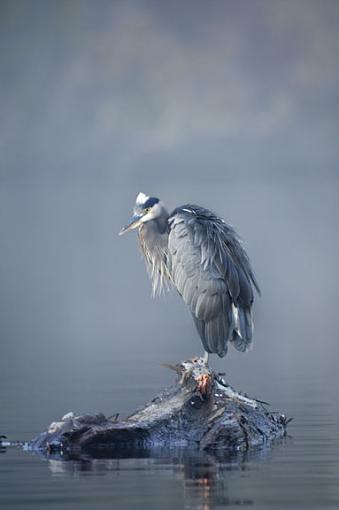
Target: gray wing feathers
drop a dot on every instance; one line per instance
(217, 331)
(211, 271)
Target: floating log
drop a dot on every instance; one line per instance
(199, 411)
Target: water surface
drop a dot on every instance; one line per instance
(299, 471)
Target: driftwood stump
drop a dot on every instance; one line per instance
(200, 411)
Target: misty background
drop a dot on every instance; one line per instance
(232, 105)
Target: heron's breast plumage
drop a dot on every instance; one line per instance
(154, 245)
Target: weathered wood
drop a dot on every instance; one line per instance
(199, 411)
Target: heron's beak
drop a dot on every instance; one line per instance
(134, 223)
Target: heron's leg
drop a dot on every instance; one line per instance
(205, 358)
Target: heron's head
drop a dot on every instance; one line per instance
(145, 209)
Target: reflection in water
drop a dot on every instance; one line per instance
(205, 476)
(206, 481)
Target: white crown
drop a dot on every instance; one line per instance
(141, 198)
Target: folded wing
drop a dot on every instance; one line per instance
(211, 271)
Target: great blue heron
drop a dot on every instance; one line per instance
(202, 256)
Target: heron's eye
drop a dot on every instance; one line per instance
(147, 210)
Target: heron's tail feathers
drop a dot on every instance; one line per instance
(239, 343)
(217, 332)
(242, 335)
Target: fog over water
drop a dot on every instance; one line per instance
(231, 105)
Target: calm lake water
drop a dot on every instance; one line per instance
(300, 471)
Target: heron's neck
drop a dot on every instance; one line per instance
(160, 224)
(154, 233)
